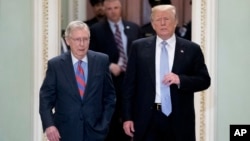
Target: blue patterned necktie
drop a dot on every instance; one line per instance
(165, 90)
(80, 78)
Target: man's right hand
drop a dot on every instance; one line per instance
(52, 134)
(115, 69)
(128, 127)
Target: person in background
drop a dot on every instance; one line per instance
(99, 15)
(64, 47)
(163, 73)
(77, 96)
(147, 29)
(186, 30)
(98, 10)
(114, 37)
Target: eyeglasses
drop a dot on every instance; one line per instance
(79, 40)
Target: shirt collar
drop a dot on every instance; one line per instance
(75, 60)
(171, 41)
(112, 25)
(119, 23)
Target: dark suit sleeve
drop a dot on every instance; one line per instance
(108, 100)
(129, 85)
(198, 78)
(109, 94)
(47, 97)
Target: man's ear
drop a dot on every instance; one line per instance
(67, 40)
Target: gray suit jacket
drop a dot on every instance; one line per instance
(77, 119)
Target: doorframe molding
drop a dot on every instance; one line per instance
(204, 32)
(47, 33)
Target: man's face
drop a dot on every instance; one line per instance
(164, 23)
(99, 9)
(78, 41)
(113, 10)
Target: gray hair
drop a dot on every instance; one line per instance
(76, 25)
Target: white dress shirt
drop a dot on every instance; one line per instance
(171, 42)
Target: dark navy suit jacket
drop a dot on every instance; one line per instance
(102, 40)
(78, 119)
(140, 86)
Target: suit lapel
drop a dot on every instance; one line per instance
(179, 55)
(108, 31)
(110, 39)
(150, 57)
(128, 32)
(92, 71)
(90, 74)
(68, 69)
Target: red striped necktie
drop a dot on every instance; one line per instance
(80, 78)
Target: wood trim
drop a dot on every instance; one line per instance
(133, 11)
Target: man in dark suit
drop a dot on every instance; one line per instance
(159, 105)
(98, 10)
(104, 39)
(77, 97)
(186, 30)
